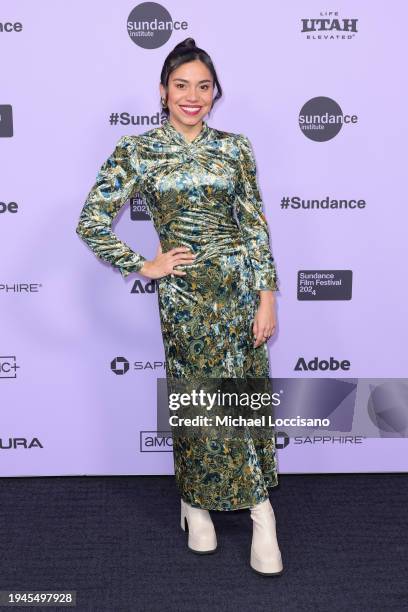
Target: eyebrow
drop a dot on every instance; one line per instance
(186, 81)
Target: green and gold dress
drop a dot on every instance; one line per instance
(201, 194)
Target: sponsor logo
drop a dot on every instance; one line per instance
(13, 443)
(321, 119)
(156, 442)
(26, 288)
(139, 210)
(11, 207)
(315, 364)
(150, 25)
(6, 120)
(324, 284)
(121, 365)
(8, 26)
(329, 26)
(8, 366)
(141, 287)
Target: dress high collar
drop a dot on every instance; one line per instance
(178, 137)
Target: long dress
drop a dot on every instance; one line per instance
(204, 195)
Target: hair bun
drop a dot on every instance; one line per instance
(187, 43)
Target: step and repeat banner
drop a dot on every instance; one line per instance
(322, 96)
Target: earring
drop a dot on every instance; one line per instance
(164, 103)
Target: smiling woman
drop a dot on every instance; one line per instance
(187, 87)
(182, 85)
(216, 278)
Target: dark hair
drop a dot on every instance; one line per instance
(186, 51)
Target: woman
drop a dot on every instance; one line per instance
(216, 280)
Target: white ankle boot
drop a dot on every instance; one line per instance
(201, 533)
(265, 554)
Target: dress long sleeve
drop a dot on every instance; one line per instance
(115, 182)
(252, 221)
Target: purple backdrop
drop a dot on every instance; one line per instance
(66, 315)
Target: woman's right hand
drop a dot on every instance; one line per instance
(163, 264)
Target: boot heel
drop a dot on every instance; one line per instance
(201, 533)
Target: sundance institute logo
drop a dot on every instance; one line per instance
(321, 119)
(150, 25)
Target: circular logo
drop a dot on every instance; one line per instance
(321, 119)
(120, 365)
(387, 408)
(149, 25)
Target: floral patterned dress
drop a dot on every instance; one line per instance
(201, 194)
